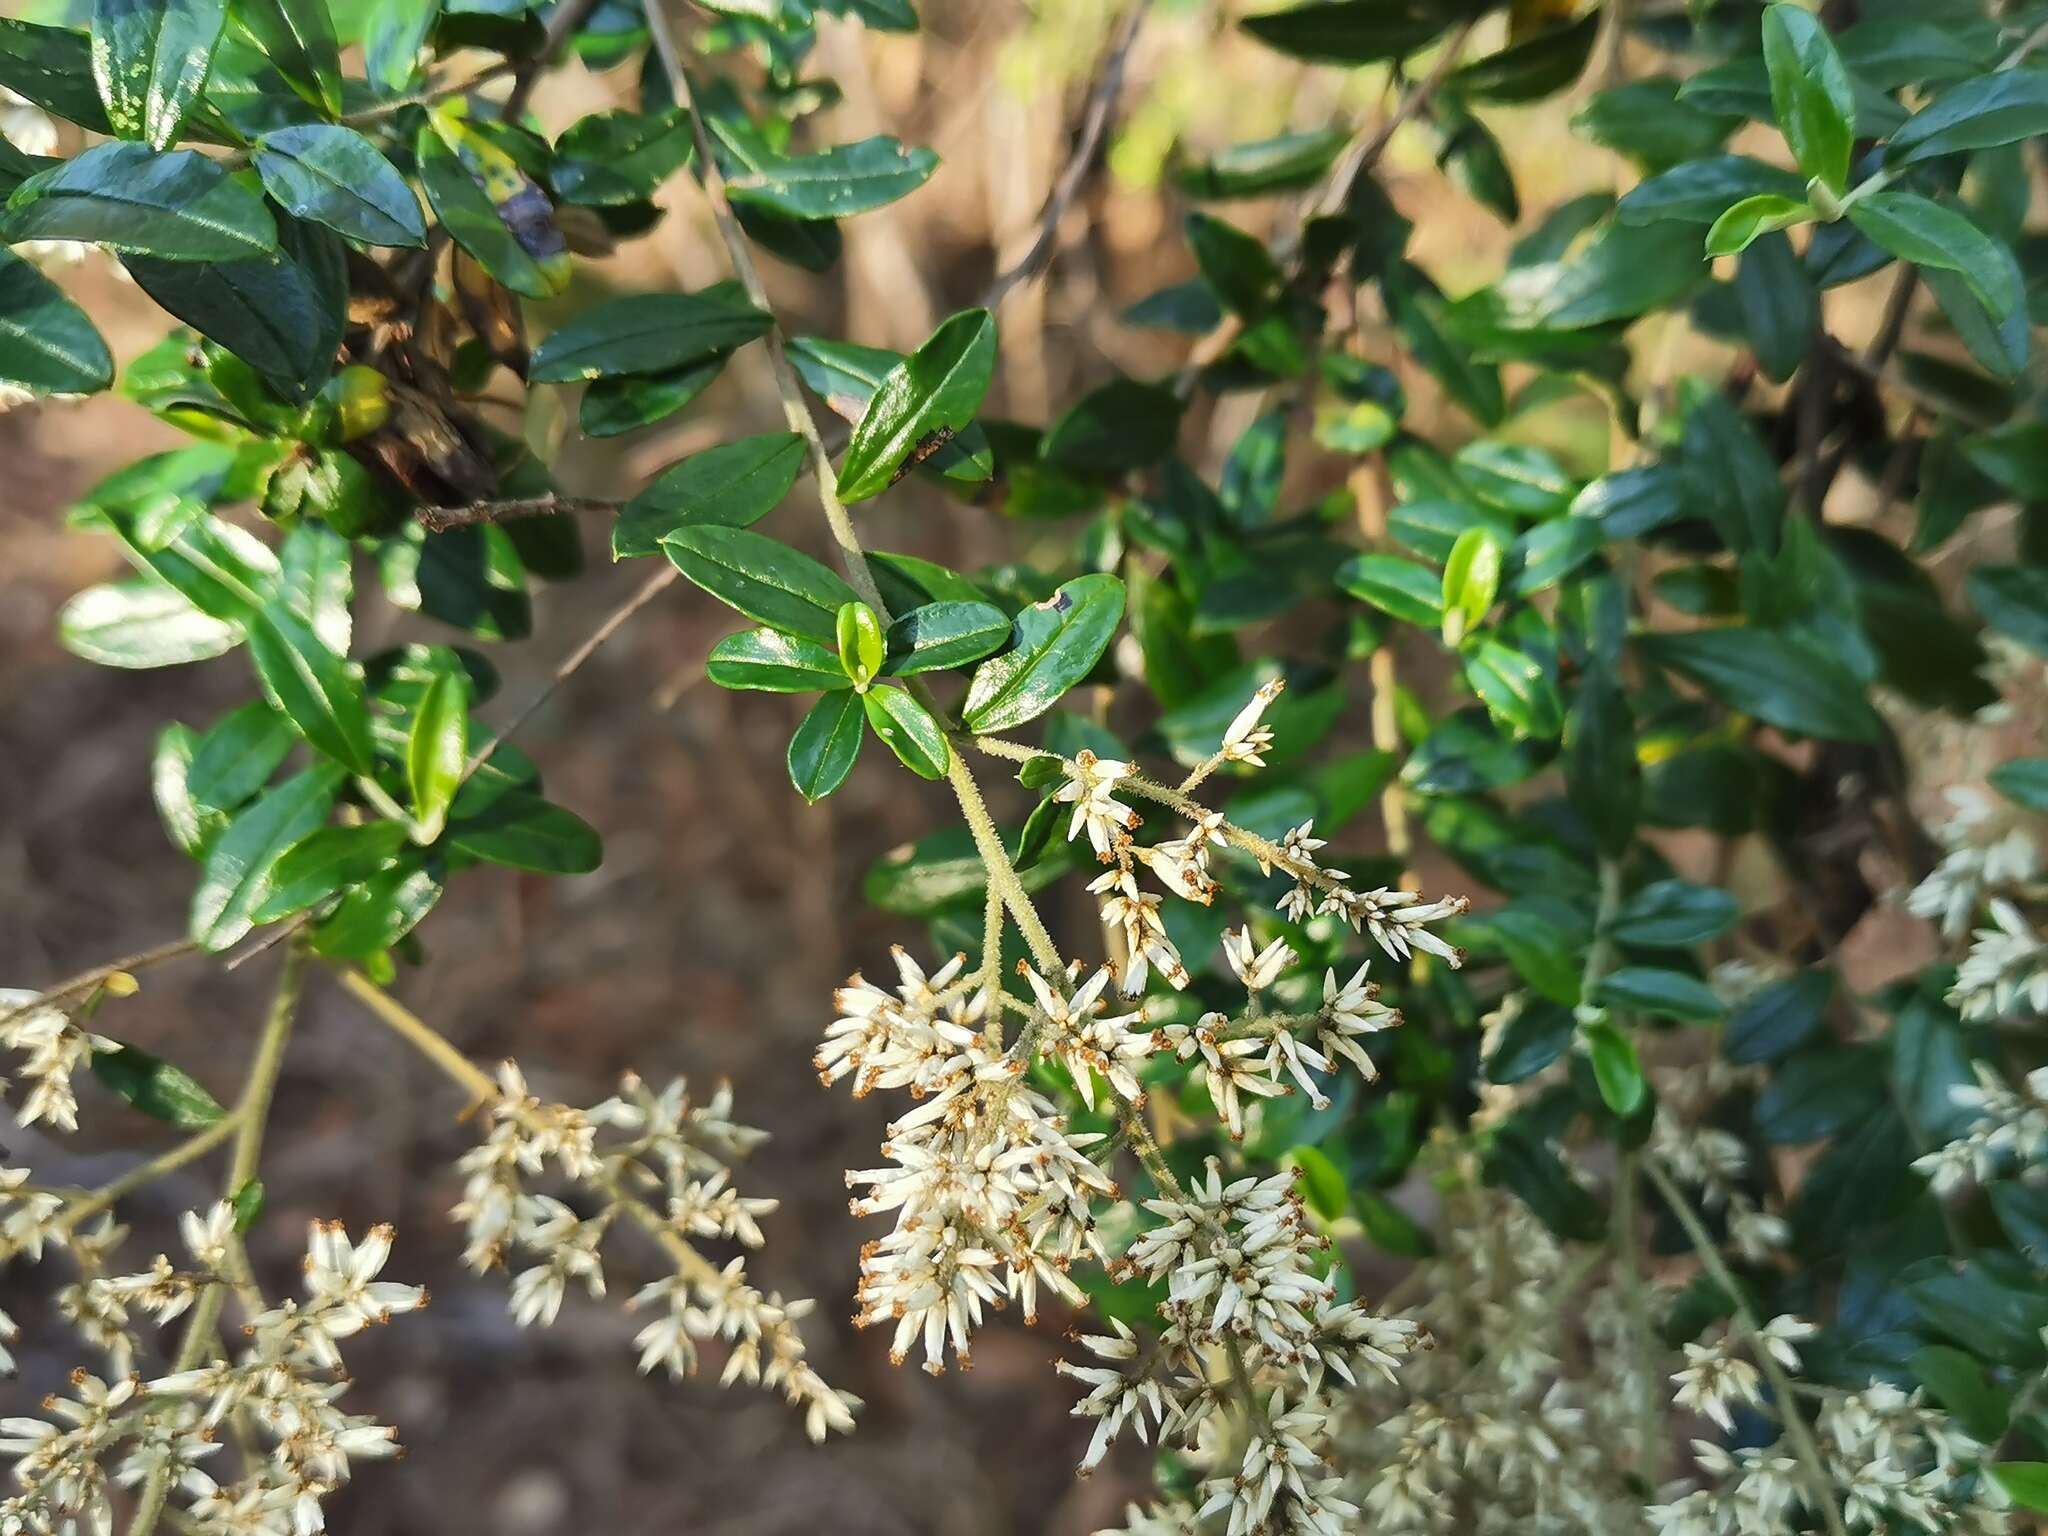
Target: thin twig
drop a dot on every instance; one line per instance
(85, 981)
(567, 17)
(646, 593)
(419, 1034)
(441, 519)
(1102, 99)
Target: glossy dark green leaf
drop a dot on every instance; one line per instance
(1701, 191)
(918, 740)
(394, 34)
(1818, 1092)
(47, 345)
(150, 60)
(2006, 107)
(843, 180)
(1529, 70)
(1535, 1037)
(2014, 600)
(2024, 781)
(1354, 31)
(435, 751)
(1674, 914)
(941, 635)
(157, 1088)
(1659, 993)
(175, 204)
(930, 395)
(1516, 691)
(826, 745)
(1418, 309)
(733, 485)
(847, 375)
(297, 36)
(1991, 1303)
(1411, 593)
(319, 692)
(376, 914)
(472, 578)
(610, 407)
(334, 176)
(1780, 308)
(1779, 678)
(611, 159)
(328, 862)
(1924, 232)
(235, 878)
(772, 662)
(522, 831)
(1645, 121)
(1118, 426)
(1054, 645)
(1237, 267)
(1810, 93)
(221, 570)
(141, 623)
(281, 313)
(1779, 1019)
(237, 756)
(52, 67)
(1623, 271)
(645, 333)
(767, 581)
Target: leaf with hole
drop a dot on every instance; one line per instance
(1054, 644)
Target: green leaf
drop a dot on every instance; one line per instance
(1744, 222)
(1674, 914)
(1516, 691)
(734, 485)
(1780, 306)
(2015, 456)
(1238, 268)
(1662, 994)
(610, 407)
(1529, 70)
(187, 826)
(936, 636)
(1958, 1383)
(2006, 107)
(1054, 645)
(771, 662)
(1645, 121)
(334, 176)
(1779, 1019)
(844, 180)
(158, 1089)
(1779, 678)
(908, 727)
(1411, 593)
(47, 345)
(1354, 31)
(860, 641)
(1519, 1160)
(328, 862)
(1623, 271)
(825, 746)
(435, 750)
(847, 376)
(472, 578)
(928, 397)
(2014, 600)
(236, 758)
(1922, 231)
(1287, 163)
(235, 878)
(248, 1205)
(281, 313)
(378, 913)
(1602, 776)
(1535, 1037)
(1118, 426)
(319, 692)
(1471, 582)
(1816, 1093)
(1811, 96)
(1616, 1068)
(646, 333)
(317, 576)
(522, 831)
(394, 33)
(178, 205)
(767, 581)
(1700, 191)
(297, 36)
(943, 871)
(2025, 1482)
(52, 67)
(2024, 781)
(150, 60)
(141, 623)
(536, 267)
(615, 159)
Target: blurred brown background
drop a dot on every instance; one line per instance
(725, 912)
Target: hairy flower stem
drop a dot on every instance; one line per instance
(251, 1116)
(1002, 876)
(1797, 1431)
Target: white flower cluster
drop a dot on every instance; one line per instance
(2011, 1130)
(1892, 1465)
(1243, 1280)
(52, 1048)
(991, 1193)
(1984, 857)
(665, 1166)
(2006, 969)
(1699, 1153)
(298, 1447)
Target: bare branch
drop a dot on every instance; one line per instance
(441, 519)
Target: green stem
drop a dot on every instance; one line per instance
(1803, 1445)
(1002, 876)
(251, 1114)
(107, 1195)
